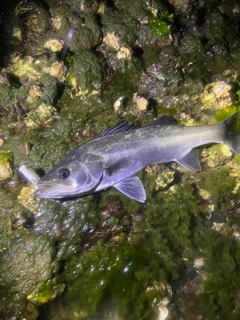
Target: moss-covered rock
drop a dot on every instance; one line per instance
(81, 257)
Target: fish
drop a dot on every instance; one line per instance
(117, 154)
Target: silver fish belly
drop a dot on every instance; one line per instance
(114, 157)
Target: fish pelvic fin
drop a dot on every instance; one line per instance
(132, 187)
(232, 139)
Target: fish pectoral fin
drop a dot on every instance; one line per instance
(133, 188)
(190, 161)
(117, 167)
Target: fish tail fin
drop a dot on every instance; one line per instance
(232, 138)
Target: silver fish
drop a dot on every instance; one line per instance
(114, 157)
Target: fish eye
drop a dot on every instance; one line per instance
(63, 173)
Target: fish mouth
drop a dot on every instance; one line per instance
(54, 191)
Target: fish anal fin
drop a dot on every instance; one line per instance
(132, 187)
(190, 161)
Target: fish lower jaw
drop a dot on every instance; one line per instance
(46, 195)
(53, 193)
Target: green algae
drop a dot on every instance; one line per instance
(172, 217)
(112, 271)
(225, 113)
(159, 27)
(6, 156)
(219, 183)
(87, 71)
(45, 293)
(31, 255)
(221, 283)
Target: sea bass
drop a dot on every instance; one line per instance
(116, 155)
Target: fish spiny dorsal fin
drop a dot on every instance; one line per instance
(121, 126)
(164, 121)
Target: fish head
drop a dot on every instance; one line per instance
(72, 177)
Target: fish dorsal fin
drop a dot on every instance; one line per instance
(132, 187)
(164, 121)
(121, 126)
(190, 161)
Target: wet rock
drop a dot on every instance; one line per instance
(38, 116)
(5, 171)
(25, 265)
(198, 263)
(35, 17)
(164, 179)
(218, 216)
(6, 159)
(54, 45)
(216, 156)
(147, 250)
(57, 70)
(124, 53)
(216, 95)
(28, 200)
(112, 40)
(119, 105)
(140, 102)
(86, 31)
